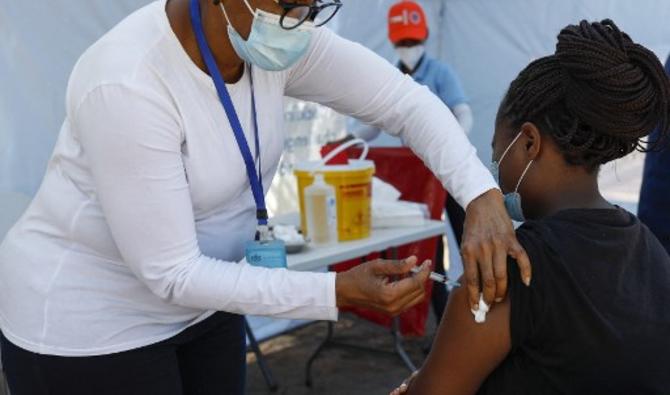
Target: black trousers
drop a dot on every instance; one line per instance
(456, 219)
(208, 358)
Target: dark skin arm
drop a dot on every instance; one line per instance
(464, 353)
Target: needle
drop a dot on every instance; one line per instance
(438, 278)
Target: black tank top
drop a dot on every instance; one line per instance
(596, 319)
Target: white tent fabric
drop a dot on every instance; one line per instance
(490, 41)
(486, 41)
(13, 205)
(40, 43)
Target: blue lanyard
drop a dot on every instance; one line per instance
(255, 179)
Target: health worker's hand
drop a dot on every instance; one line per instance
(370, 285)
(488, 239)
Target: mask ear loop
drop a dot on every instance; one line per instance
(523, 175)
(225, 14)
(509, 147)
(249, 7)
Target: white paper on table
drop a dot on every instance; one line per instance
(398, 213)
(389, 211)
(383, 191)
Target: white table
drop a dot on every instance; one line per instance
(315, 258)
(320, 258)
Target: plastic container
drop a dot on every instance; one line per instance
(353, 191)
(321, 212)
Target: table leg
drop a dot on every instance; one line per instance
(265, 370)
(395, 331)
(399, 348)
(327, 342)
(5, 386)
(312, 358)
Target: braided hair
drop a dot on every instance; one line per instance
(598, 96)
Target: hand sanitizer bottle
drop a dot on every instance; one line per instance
(321, 211)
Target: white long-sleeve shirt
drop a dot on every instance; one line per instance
(137, 229)
(372, 134)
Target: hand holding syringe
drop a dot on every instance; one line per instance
(440, 278)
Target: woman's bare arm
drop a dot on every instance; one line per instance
(464, 353)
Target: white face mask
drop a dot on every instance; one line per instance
(270, 46)
(410, 56)
(513, 199)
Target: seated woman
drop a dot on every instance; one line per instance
(596, 317)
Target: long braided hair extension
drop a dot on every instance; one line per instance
(598, 96)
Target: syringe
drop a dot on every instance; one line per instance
(438, 278)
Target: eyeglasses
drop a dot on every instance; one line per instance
(295, 14)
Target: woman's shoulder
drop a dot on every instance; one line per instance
(122, 55)
(545, 242)
(578, 225)
(536, 234)
(575, 244)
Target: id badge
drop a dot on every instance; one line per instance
(270, 254)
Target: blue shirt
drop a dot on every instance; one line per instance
(441, 79)
(655, 193)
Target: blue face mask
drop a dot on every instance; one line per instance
(270, 46)
(512, 200)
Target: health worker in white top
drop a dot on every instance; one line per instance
(124, 276)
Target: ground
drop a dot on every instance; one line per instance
(337, 371)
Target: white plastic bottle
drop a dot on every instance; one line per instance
(321, 211)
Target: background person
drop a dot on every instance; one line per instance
(408, 32)
(655, 193)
